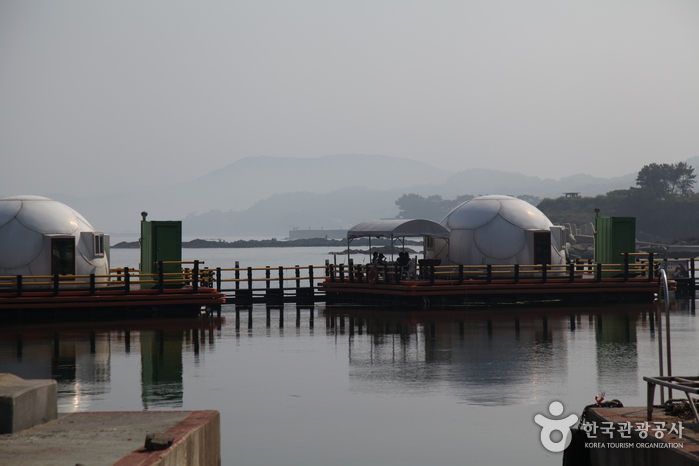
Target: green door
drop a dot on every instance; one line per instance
(161, 241)
(614, 236)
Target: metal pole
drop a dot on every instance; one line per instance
(195, 276)
(660, 340)
(663, 277)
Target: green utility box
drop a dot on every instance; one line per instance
(614, 236)
(161, 241)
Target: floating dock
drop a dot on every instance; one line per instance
(124, 292)
(107, 298)
(493, 292)
(488, 284)
(191, 291)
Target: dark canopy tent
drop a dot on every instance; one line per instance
(396, 230)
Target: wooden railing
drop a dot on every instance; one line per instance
(236, 281)
(487, 273)
(246, 282)
(18, 284)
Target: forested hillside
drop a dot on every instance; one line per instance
(663, 202)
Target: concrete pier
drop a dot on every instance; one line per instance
(661, 442)
(25, 403)
(117, 438)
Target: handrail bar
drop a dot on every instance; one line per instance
(668, 382)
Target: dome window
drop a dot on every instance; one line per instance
(99, 244)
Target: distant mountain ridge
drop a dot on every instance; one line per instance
(278, 175)
(270, 195)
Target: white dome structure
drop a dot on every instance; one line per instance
(41, 236)
(499, 230)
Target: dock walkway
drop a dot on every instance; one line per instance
(116, 438)
(194, 287)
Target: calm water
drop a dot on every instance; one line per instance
(357, 386)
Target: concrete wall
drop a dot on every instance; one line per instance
(26, 403)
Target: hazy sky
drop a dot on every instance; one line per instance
(139, 92)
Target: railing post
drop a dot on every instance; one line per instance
(342, 272)
(127, 281)
(19, 285)
(544, 272)
(237, 275)
(431, 274)
(92, 283)
(55, 284)
(195, 276)
(571, 272)
(267, 276)
(310, 277)
(598, 274)
(489, 273)
(218, 278)
(298, 277)
(281, 277)
(350, 270)
(250, 278)
(331, 269)
(651, 267)
(516, 273)
(461, 274)
(161, 276)
(626, 266)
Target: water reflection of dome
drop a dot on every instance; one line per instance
(41, 236)
(485, 361)
(499, 229)
(502, 362)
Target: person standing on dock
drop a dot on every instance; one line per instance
(402, 262)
